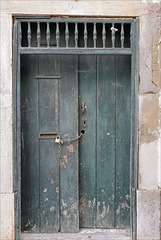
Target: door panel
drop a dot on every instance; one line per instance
(123, 129)
(49, 186)
(29, 145)
(54, 90)
(87, 149)
(105, 146)
(48, 111)
(69, 150)
(49, 106)
(105, 141)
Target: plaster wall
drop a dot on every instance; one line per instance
(149, 94)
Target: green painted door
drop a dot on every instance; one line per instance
(63, 95)
(49, 175)
(104, 159)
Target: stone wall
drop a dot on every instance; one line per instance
(148, 194)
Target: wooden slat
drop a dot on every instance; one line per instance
(123, 130)
(57, 34)
(49, 159)
(66, 35)
(76, 35)
(113, 35)
(87, 154)
(38, 34)
(69, 221)
(104, 35)
(122, 35)
(48, 34)
(29, 34)
(30, 145)
(20, 34)
(94, 35)
(85, 35)
(49, 186)
(105, 141)
(131, 35)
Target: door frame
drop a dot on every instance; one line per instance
(16, 113)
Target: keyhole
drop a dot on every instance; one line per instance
(84, 121)
(83, 132)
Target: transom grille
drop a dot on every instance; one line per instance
(75, 34)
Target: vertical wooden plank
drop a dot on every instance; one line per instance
(69, 153)
(49, 160)
(87, 149)
(123, 131)
(134, 135)
(49, 186)
(48, 95)
(105, 141)
(16, 152)
(20, 34)
(29, 145)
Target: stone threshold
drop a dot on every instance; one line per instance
(84, 234)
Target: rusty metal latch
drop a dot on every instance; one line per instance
(83, 107)
(60, 141)
(57, 140)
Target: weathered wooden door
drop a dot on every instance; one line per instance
(49, 107)
(64, 95)
(104, 159)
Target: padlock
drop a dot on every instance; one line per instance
(57, 140)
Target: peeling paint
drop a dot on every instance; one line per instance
(127, 196)
(52, 208)
(118, 210)
(125, 205)
(62, 163)
(104, 212)
(64, 204)
(34, 227)
(70, 148)
(65, 158)
(149, 126)
(45, 190)
(52, 181)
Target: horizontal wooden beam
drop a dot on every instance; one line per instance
(74, 51)
(78, 20)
